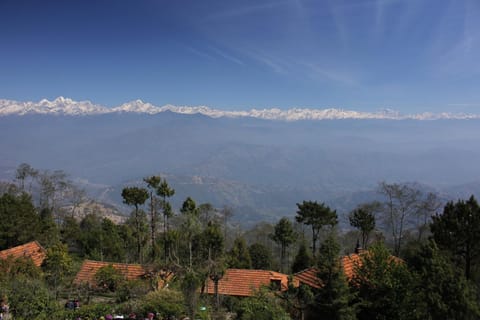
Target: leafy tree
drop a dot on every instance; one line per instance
(210, 246)
(108, 278)
(153, 183)
(383, 286)
(211, 242)
(317, 216)
(71, 234)
(57, 266)
(262, 306)
(12, 268)
(19, 220)
(363, 219)
(284, 235)
(457, 230)
(91, 236)
(302, 260)
(76, 196)
(136, 197)
(23, 172)
(189, 285)
(426, 209)
(261, 256)
(48, 233)
(226, 213)
(168, 303)
(333, 299)
(239, 256)
(206, 213)
(113, 246)
(190, 225)
(189, 207)
(165, 191)
(52, 189)
(131, 290)
(136, 229)
(30, 299)
(298, 299)
(401, 204)
(127, 234)
(443, 293)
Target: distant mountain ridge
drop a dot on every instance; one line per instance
(66, 106)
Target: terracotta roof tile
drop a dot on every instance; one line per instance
(308, 277)
(349, 264)
(244, 282)
(90, 267)
(32, 250)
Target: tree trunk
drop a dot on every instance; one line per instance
(137, 226)
(152, 225)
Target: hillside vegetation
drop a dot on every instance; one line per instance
(419, 256)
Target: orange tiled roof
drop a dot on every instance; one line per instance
(308, 277)
(89, 269)
(354, 260)
(244, 282)
(349, 264)
(32, 250)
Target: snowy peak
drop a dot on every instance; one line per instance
(66, 106)
(137, 106)
(59, 106)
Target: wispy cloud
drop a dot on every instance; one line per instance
(213, 53)
(226, 56)
(458, 53)
(339, 20)
(327, 73)
(273, 63)
(199, 53)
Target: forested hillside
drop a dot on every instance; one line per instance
(416, 256)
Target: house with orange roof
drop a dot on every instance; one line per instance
(90, 267)
(349, 264)
(32, 250)
(245, 282)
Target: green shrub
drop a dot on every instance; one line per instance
(108, 278)
(166, 302)
(129, 290)
(30, 299)
(263, 306)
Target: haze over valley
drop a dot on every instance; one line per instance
(259, 167)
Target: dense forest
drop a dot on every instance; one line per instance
(420, 257)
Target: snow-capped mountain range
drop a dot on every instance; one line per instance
(66, 106)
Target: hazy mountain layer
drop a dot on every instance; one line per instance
(259, 167)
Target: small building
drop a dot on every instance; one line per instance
(158, 278)
(32, 250)
(245, 282)
(90, 267)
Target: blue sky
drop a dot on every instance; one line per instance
(409, 55)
